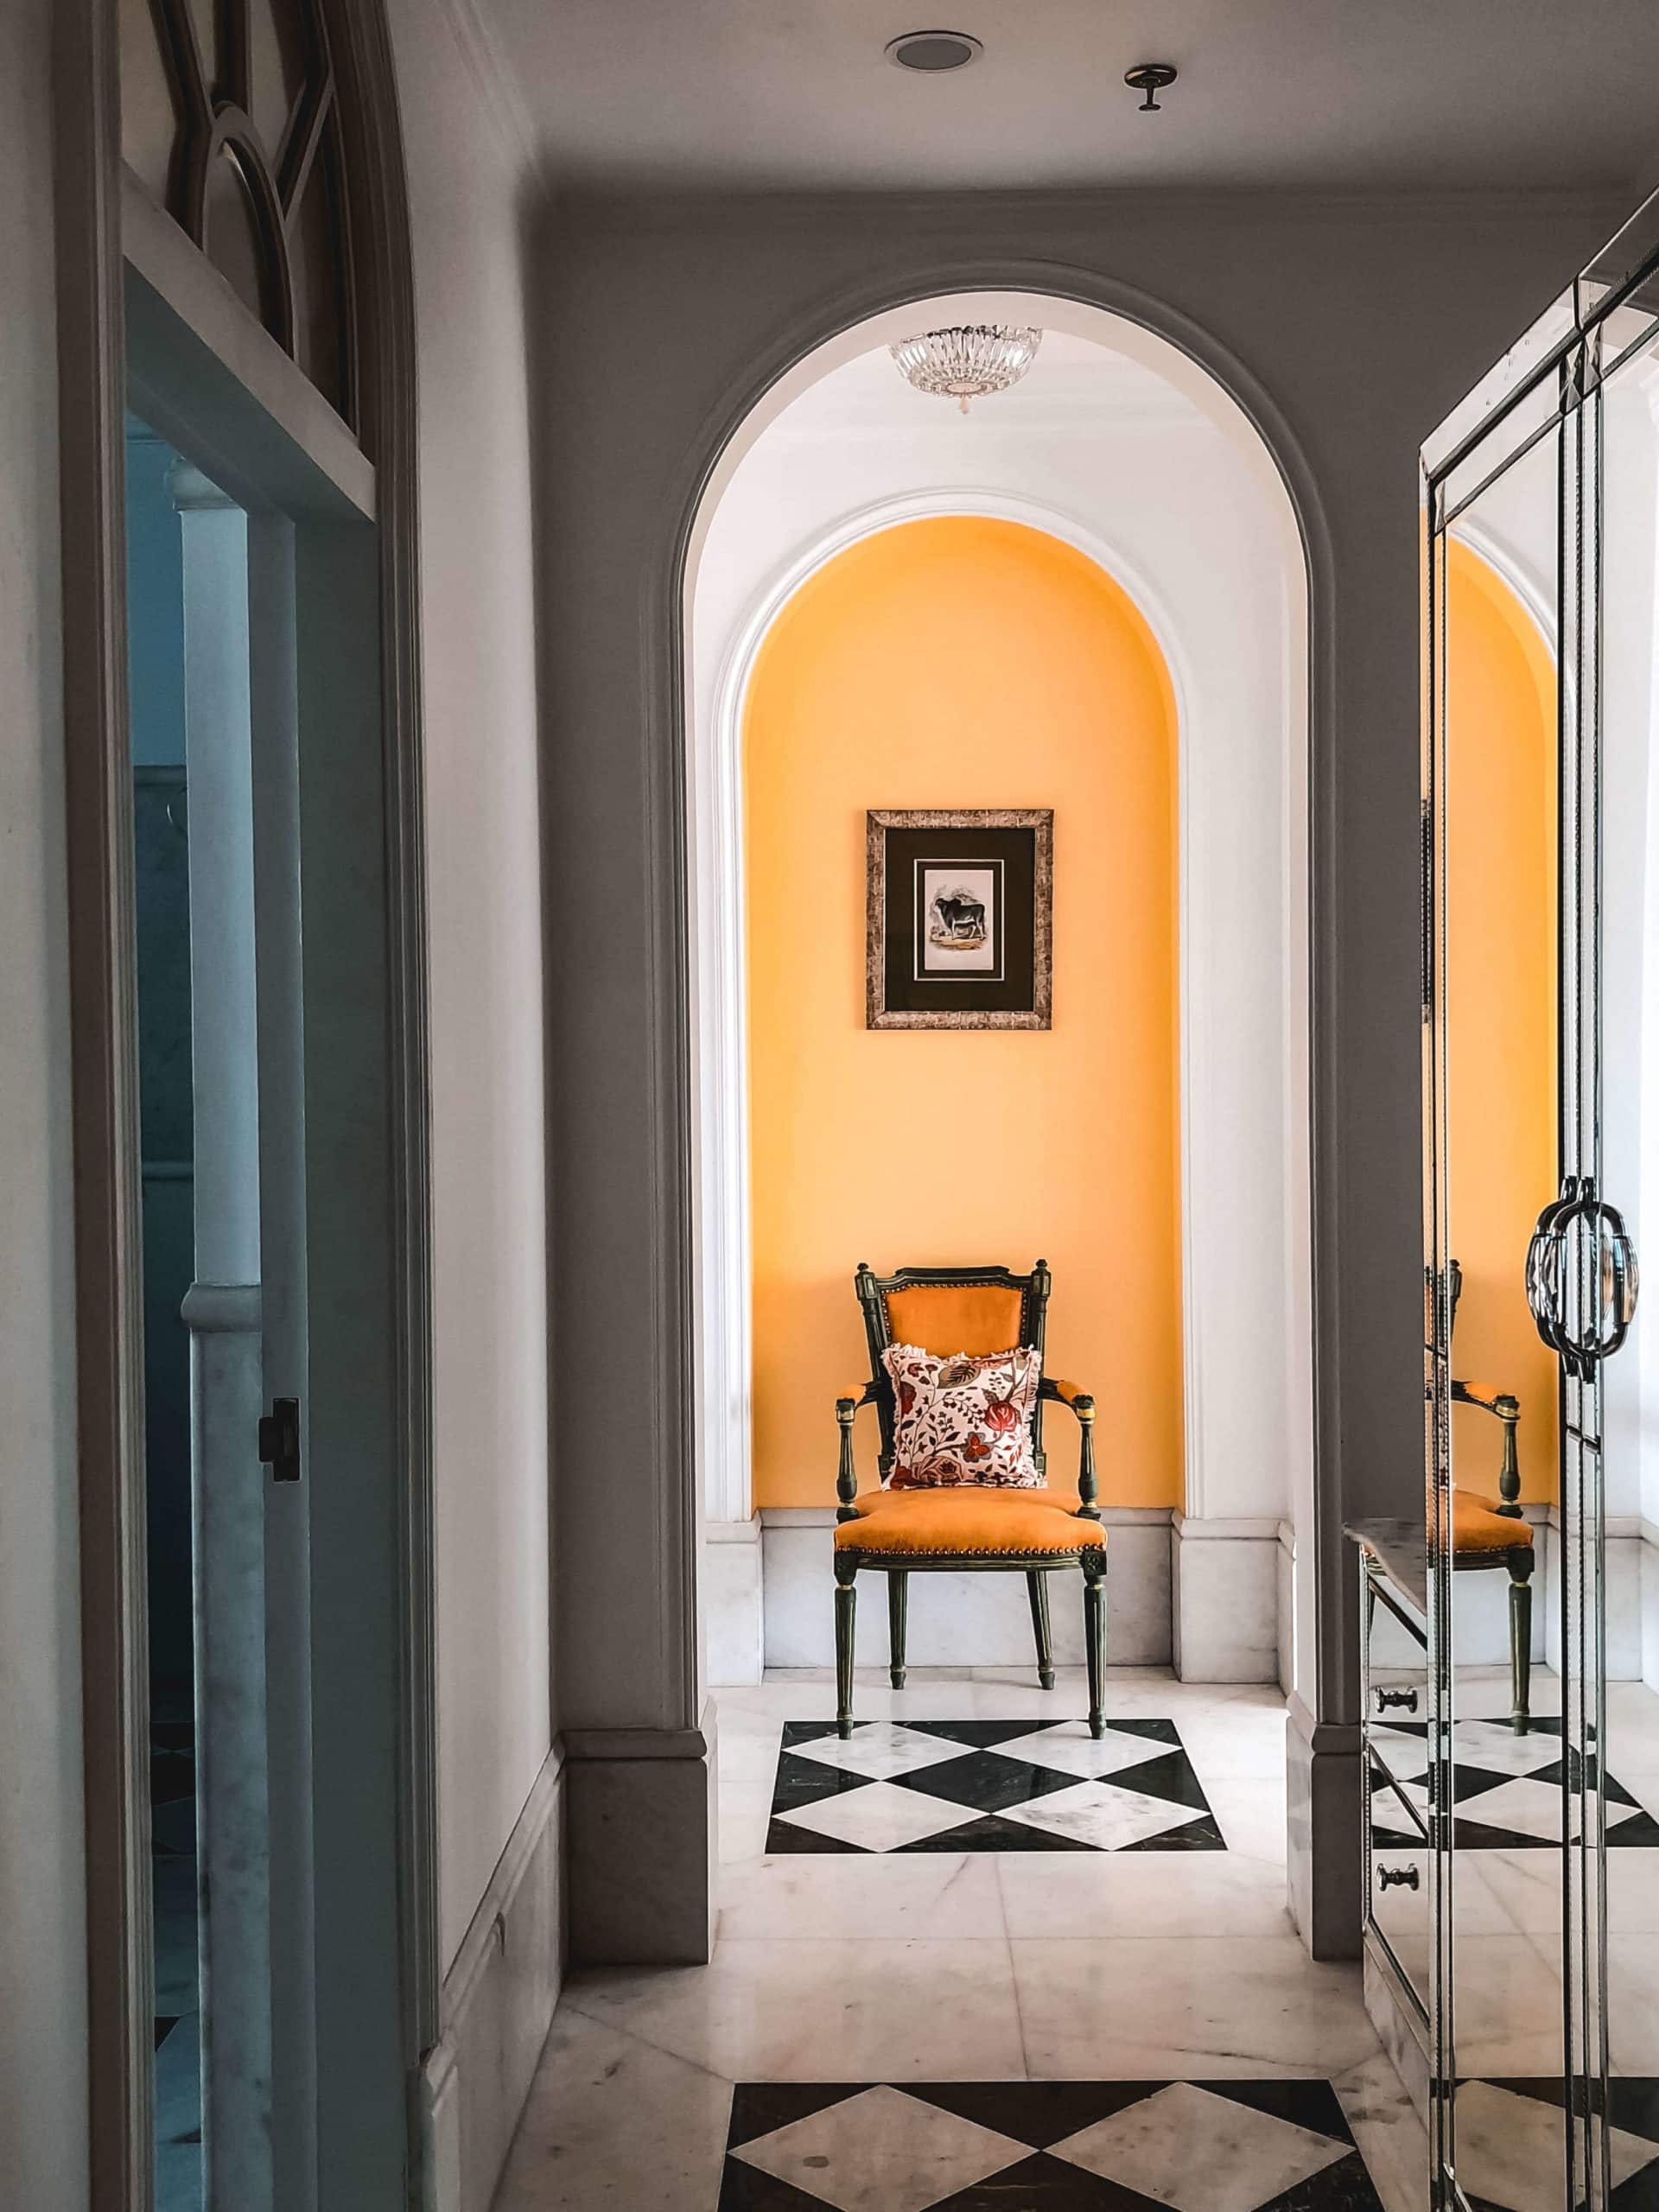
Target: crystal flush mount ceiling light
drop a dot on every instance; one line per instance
(968, 361)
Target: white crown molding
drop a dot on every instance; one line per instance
(496, 84)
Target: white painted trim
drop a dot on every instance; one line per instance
(720, 992)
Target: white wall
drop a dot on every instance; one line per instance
(467, 171)
(1163, 492)
(42, 1950)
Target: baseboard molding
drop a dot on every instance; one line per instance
(733, 1624)
(1322, 1832)
(496, 2006)
(641, 1844)
(1226, 1579)
(955, 1620)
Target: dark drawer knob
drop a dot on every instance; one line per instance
(1404, 1878)
(1396, 1700)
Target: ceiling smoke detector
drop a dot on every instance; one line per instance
(930, 54)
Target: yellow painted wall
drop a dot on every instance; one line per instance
(964, 663)
(1501, 994)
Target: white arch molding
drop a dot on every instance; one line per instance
(1228, 1280)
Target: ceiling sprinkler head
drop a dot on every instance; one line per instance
(1150, 77)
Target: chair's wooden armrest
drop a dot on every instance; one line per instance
(1069, 1394)
(1502, 1402)
(855, 1394)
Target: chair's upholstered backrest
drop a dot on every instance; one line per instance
(945, 1318)
(944, 1310)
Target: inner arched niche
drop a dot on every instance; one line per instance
(983, 659)
(1120, 446)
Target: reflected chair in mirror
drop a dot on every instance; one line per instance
(966, 1527)
(1491, 1533)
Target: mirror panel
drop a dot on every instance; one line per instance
(1623, 1520)
(1495, 1788)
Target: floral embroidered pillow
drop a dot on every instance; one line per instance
(965, 1419)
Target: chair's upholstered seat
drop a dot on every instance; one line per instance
(969, 1520)
(1478, 1526)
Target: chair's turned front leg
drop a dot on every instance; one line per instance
(846, 1602)
(898, 1591)
(1037, 1588)
(1520, 1642)
(1094, 1636)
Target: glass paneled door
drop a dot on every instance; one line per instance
(1541, 1111)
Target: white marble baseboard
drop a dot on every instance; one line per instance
(1286, 1586)
(732, 1622)
(496, 2006)
(956, 1620)
(1226, 1581)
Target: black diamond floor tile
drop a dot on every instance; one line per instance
(1040, 2183)
(985, 1782)
(990, 1832)
(987, 1785)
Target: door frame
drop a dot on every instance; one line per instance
(124, 271)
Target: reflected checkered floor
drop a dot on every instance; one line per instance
(1507, 1789)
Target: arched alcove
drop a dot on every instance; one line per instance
(1148, 466)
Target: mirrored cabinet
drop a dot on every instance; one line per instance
(1512, 1642)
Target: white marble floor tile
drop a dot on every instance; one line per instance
(1070, 1749)
(1633, 2003)
(825, 2010)
(1251, 1815)
(1494, 1745)
(879, 1751)
(1107, 1816)
(1508, 2020)
(882, 2152)
(1510, 2149)
(745, 1815)
(1524, 1886)
(931, 1894)
(1506, 1892)
(1230, 1742)
(1633, 1892)
(748, 1746)
(613, 2122)
(1197, 2152)
(1142, 1894)
(1389, 2130)
(1194, 2007)
(879, 1817)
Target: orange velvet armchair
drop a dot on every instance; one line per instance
(1034, 1532)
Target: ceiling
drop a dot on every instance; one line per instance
(1333, 94)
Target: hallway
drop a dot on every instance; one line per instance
(1125, 1945)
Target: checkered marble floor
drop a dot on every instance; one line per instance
(1507, 1789)
(987, 1785)
(1510, 2145)
(1042, 2147)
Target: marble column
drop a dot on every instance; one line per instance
(222, 1311)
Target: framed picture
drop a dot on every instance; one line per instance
(958, 918)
